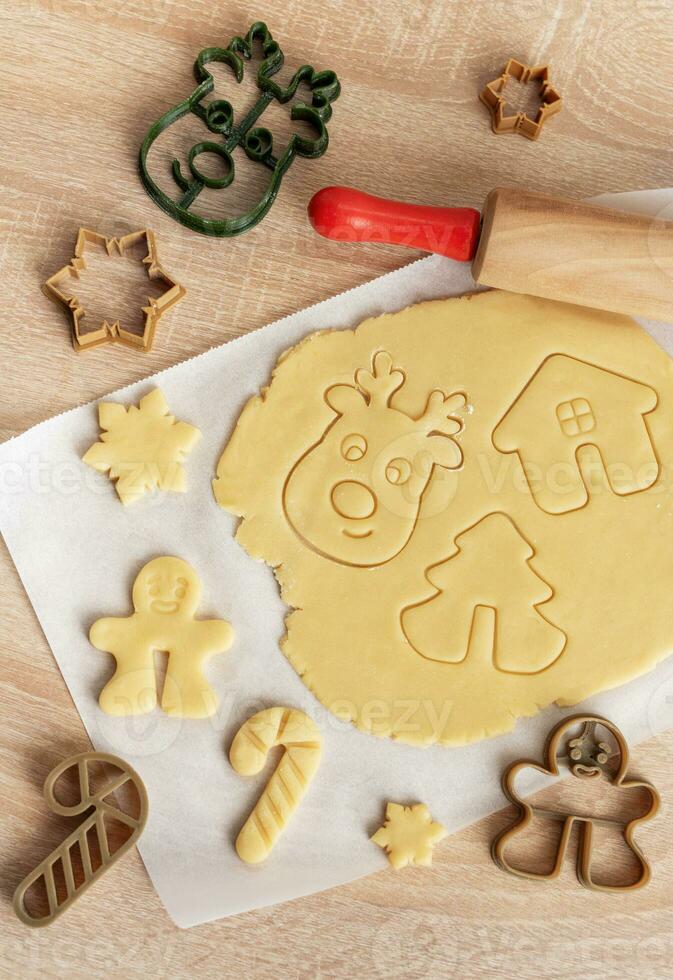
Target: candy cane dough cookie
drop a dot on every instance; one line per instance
(300, 737)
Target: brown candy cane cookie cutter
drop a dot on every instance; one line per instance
(493, 97)
(105, 812)
(587, 758)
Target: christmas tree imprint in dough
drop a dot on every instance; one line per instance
(300, 738)
(490, 569)
(409, 835)
(143, 447)
(355, 495)
(566, 406)
(609, 563)
(166, 595)
(599, 815)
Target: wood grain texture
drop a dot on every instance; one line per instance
(563, 249)
(79, 84)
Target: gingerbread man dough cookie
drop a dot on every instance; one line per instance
(166, 595)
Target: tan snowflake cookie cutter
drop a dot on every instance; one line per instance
(166, 595)
(100, 812)
(142, 447)
(110, 333)
(493, 97)
(299, 735)
(409, 834)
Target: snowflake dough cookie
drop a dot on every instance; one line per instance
(409, 835)
(166, 595)
(468, 508)
(142, 447)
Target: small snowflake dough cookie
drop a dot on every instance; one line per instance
(467, 506)
(409, 835)
(300, 737)
(166, 595)
(142, 447)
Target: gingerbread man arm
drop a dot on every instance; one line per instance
(187, 692)
(636, 786)
(111, 633)
(529, 818)
(132, 688)
(216, 635)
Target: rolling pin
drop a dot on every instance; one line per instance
(525, 243)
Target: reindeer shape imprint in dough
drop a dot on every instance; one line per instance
(355, 496)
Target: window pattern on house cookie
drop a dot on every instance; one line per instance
(569, 404)
(490, 568)
(575, 416)
(355, 496)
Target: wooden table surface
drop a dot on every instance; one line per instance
(80, 82)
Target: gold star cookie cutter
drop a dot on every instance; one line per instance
(493, 97)
(56, 288)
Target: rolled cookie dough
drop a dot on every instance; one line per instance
(443, 582)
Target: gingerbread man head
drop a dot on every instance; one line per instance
(168, 587)
(587, 756)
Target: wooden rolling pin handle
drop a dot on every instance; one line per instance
(529, 243)
(578, 253)
(347, 215)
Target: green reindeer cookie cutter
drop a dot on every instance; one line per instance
(256, 141)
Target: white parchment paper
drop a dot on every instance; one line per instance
(78, 550)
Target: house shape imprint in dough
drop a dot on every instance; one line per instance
(569, 404)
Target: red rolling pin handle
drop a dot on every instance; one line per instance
(347, 215)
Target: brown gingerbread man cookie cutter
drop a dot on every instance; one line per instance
(587, 758)
(76, 862)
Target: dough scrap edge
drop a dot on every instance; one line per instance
(570, 701)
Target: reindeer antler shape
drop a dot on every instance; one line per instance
(381, 383)
(438, 416)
